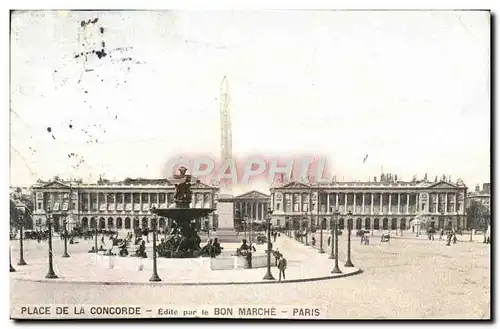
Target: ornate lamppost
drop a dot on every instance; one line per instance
(12, 269)
(21, 238)
(348, 263)
(323, 222)
(51, 274)
(95, 241)
(334, 232)
(307, 233)
(65, 253)
(335, 227)
(269, 275)
(154, 277)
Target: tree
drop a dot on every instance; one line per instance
(478, 215)
(14, 222)
(14, 214)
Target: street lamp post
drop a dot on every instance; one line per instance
(348, 263)
(334, 232)
(307, 233)
(336, 269)
(154, 277)
(21, 249)
(12, 269)
(95, 242)
(50, 274)
(321, 251)
(269, 275)
(65, 253)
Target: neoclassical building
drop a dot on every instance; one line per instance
(122, 205)
(252, 205)
(383, 205)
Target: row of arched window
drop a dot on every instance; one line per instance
(120, 223)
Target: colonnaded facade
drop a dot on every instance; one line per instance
(122, 205)
(383, 205)
(251, 206)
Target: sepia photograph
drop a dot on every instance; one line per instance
(250, 164)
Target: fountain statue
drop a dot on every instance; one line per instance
(184, 241)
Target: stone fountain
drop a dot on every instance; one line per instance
(184, 230)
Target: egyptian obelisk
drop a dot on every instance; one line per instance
(225, 231)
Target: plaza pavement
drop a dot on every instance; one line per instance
(82, 267)
(408, 278)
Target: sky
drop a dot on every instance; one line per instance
(409, 89)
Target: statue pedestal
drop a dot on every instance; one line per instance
(225, 231)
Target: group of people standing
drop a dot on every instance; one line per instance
(246, 250)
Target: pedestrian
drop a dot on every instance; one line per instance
(249, 258)
(277, 256)
(329, 240)
(454, 239)
(282, 267)
(275, 235)
(313, 241)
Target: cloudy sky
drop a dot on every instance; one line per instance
(118, 93)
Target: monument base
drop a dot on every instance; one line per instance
(225, 231)
(225, 235)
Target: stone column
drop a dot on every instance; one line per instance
(371, 206)
(116, 197)
(446, 202)
(455, 208)
(437, 203)
(390, 203)
(381, 199)
(301, 202)
(345, 202)
(399, 203)
(363, 204)
(90, 202)
(336, 201)
(354, 203)
(407, 203)
(327, 203)
(98, 206)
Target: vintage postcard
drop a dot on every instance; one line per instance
(250, 164)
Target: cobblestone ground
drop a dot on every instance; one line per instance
(407, 278)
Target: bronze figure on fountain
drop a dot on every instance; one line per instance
(183, 195)
(184, 242)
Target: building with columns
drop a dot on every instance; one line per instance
(122, 205)
(252, 205)
(383, 205)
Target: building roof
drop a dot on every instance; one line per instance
(384, 184)
(253, 195)
(103, 183)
